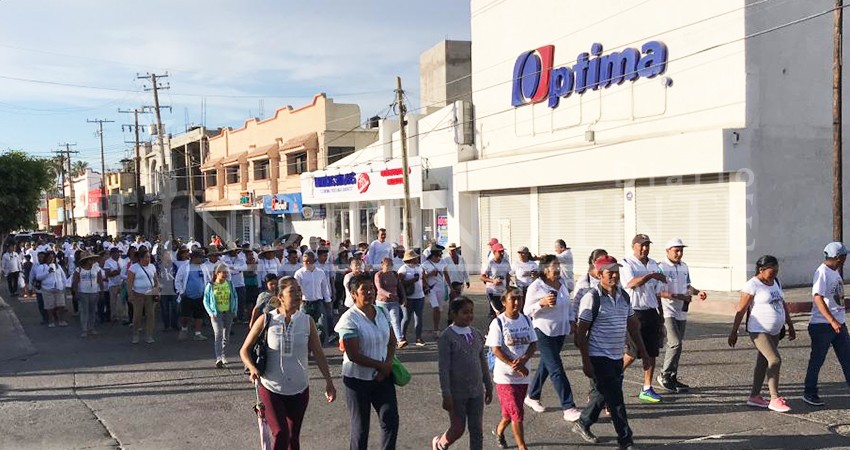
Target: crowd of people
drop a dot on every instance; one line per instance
(299, 299)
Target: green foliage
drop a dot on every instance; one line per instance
(22, 182)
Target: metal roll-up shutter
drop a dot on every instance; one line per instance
(696, 213)
(585, 218)
(506, 216)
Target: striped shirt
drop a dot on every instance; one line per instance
(374, 337)
(608, 331)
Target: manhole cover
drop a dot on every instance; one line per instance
(842, 429)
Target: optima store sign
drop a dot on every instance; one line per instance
(536, 80)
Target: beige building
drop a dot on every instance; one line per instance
(261, 162)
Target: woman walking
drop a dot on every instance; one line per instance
(548, 304)
(367, 367)
(87, 283)
(411, 279)
(283, 385)
(763, 301)
(221, 303)
(143, 289)
(464, 379)
(388, 286)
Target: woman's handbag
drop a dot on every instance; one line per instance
(401, 376)
(258, 351)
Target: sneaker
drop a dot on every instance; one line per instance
(135, 338)
(534, 404)
(584, 433)
(572, 414)
(666, 383)
(149, 340)
(778, 405)
(420, 343)
(813, 400)
(402, 344)
(51, 325)
(500, 439)
(757, 401)
(84, 335)
(219, 364)
(93, 332)
(199, 337)
(62, 323)
(182, 335)
(649, 396)
(680, 387)
(224, 360)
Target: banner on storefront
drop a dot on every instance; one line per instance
(384, 181)
(282, 204)
(443, 230)
(93, 203)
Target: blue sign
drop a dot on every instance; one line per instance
(282, 204)
(344, 179)
(535, 78)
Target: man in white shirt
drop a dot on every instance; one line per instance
(643, 280)
(12, 266)
(455, 265)
(675, 298)
(827, 327)
(112, 267)
(237, 263)
(315, 293)
(291, 265)
(565, 257)
(378, 250)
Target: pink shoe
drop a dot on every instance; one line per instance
(757, 401)
(778, 404)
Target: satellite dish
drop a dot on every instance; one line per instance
(307, 212)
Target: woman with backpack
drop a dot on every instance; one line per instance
(287, 336)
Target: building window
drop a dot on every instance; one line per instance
(232, 174)
(337, 153)
(261, 170)
(211, 178)
(296, 164)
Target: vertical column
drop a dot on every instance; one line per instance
(534, 208)
(629, 215)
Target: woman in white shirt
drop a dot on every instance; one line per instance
(763, 301)
(548, 304)
(283, 385)
(87, 283)
(367, 366)
(411, 279)
(143, 287)
(12, 266)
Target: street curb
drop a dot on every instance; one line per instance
(14, 342)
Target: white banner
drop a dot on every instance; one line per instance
(377, 181)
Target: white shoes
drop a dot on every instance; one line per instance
(534, 404)
(572, 414)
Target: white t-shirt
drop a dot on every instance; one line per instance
(514, 337)
(678, 282)
(143, 283)
(522, 272)
(767, 312)
(495, 269)
(409, 272)
(111, 265)
(88, 280)
(828, 284)
(646, 296)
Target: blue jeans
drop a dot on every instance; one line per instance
(395, 314)
(823, 337)
(607, 389)
(551, 366)
(413, 307)
(168, 312)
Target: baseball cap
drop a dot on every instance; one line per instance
(641, 239)
(523, 250)
(606, 262)
(675, 242)
(497, 247)
(834, 250)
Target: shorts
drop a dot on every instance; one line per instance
(511, 397)
(192, 307)
(53, 299)
(436, 302)
(651, 329)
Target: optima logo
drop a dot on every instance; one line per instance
(535, 79)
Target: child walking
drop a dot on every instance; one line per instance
(464, 378)
(513, 341)
(221, 303)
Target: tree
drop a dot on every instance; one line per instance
(79, 167)
(23, 178)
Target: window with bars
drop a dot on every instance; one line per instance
(232, 174)
(261, 170)
(296, 164)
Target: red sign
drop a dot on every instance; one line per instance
(363, 182)
(93, 205)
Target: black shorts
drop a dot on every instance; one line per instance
(651, 326)
(192, 307)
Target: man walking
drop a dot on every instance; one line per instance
(827, 327)
(315, 293)
(190, 282)
(565, 257)
(378, 250)
(112, 268)
(642, 279)
(605, 314)
(675, 300)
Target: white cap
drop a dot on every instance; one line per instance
(675, 242)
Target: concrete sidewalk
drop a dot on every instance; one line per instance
(14, 342)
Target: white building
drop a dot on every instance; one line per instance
(722, 137)
(87, 203)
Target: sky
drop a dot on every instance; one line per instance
(65, 62)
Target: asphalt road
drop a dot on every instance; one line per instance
(103, 392)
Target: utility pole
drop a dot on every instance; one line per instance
(402, 111)
(104, 203)
(138, 180)
(837, 157)
(155, 87)
(66, 156)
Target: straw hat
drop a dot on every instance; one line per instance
(231, 247)
(410, 255)
(86, 256)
